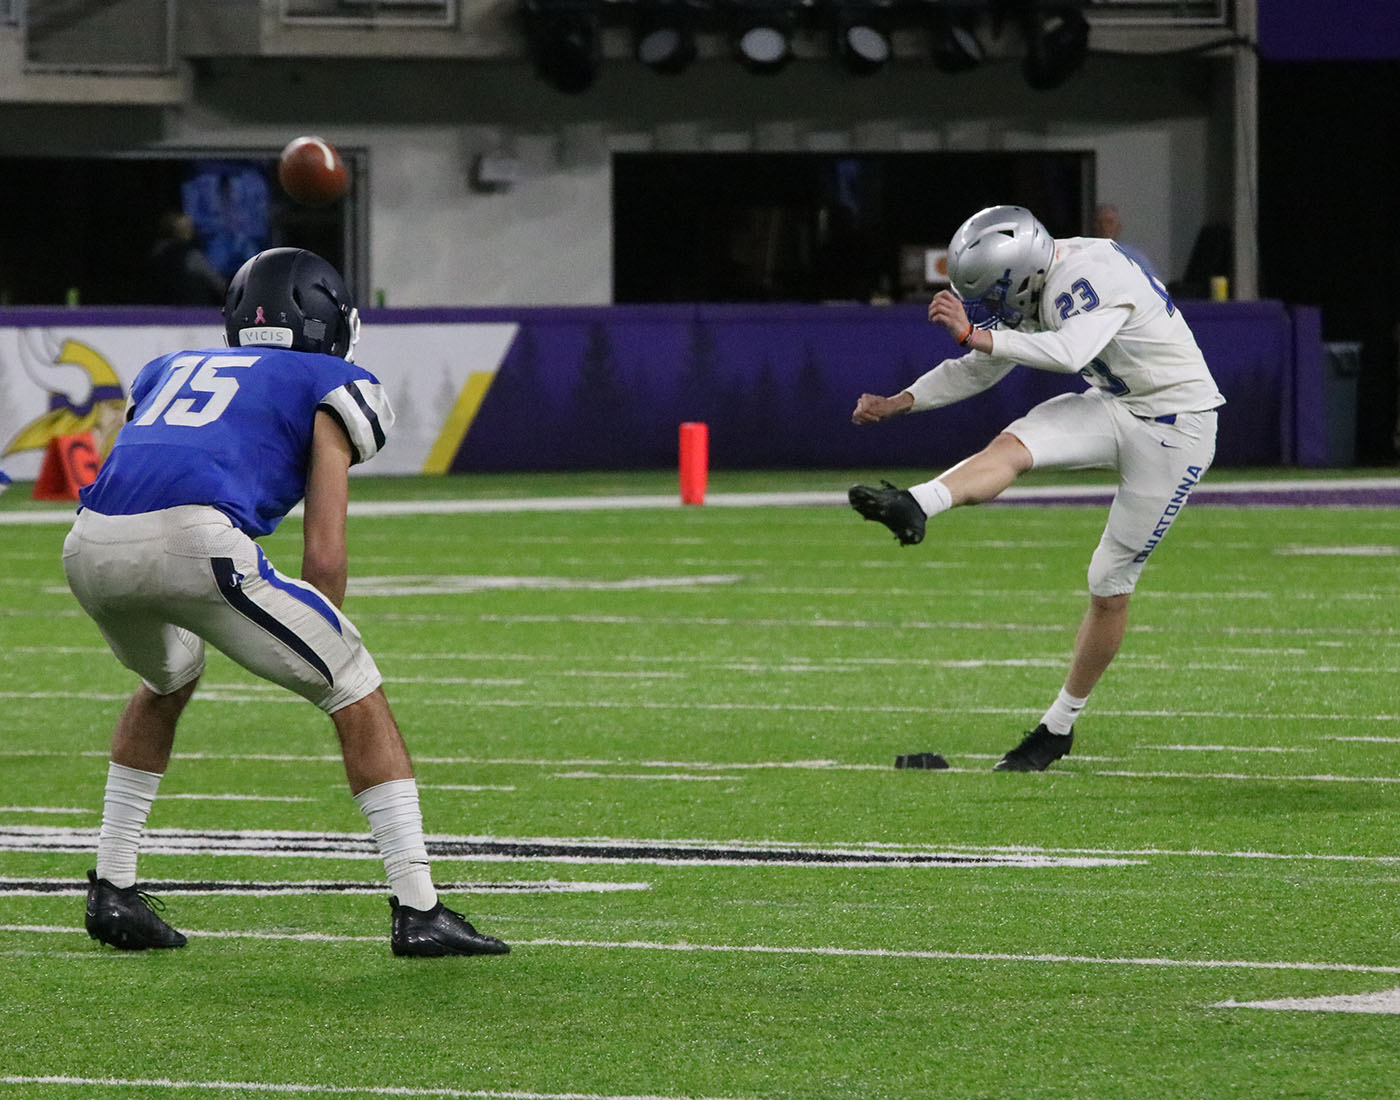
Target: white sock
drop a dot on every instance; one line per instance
(1063, 711)
(125, 807)
(396, 822)
(933, 497)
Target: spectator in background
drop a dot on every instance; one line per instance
(180, 273)
(1109, 225)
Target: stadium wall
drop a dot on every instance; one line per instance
(1160, 132)
(605, 388)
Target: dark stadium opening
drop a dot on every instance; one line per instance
(89, 224)
(817, 227)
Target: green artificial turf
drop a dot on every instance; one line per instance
(1225, 830)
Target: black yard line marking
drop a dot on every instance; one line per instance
(545, 850)
(309, 843)
(63, 887)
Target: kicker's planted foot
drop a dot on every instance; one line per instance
(894, 507)
(125, 918)
(1037, 751)
(438, 931)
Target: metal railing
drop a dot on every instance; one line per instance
(1162, 13)
(372, 13)
(96, 36)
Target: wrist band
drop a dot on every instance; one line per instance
(966, 336)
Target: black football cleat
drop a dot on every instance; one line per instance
(895, 508)
(1037, 751)
(438, 931)
(124, 917)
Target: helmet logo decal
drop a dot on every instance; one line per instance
(289, 298)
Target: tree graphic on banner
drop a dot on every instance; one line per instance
(526, 401)
(603, 434)
(516, 426)
(810, 400)
(700, 397)
(654, 436)
(905, 371)
(764, 427)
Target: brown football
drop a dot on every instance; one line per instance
(311, 172)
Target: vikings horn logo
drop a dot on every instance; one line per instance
(85, 394)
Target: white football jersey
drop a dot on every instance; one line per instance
(1101, 315)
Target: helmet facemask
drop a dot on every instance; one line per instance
(349, 326)
(352, 321)
(1003, 306)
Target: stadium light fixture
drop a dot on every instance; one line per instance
(762, 32)
(564, 38)
(1057, 42)
(953, 43)
(861, 33)
(663, 34)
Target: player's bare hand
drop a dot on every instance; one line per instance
(872, 408)
(947, 310)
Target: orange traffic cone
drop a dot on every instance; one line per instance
(70, 462)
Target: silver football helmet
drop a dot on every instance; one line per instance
(997, 263)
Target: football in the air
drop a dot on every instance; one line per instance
(311, 172)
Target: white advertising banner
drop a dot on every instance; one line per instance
(58, 380)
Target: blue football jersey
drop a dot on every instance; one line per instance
(231, 428)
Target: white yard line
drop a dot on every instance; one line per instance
(587, 768)
(1384, 1003)
(1372, 636)
(771, 949)
(147, 1084)
(458, 681)
(967, 956)
(1230, 748)
(464, 787)
(235, 797)
(1237, 776)
(12, 886)
(794, 499)
(1054, 599)
(448, 585)
(672, 776)
(795, 708)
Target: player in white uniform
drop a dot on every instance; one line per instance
(1079, 305)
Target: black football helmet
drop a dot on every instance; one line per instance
(291, 298)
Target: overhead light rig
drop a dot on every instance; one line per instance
(565, 37)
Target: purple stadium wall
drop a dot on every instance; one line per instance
(606, 387)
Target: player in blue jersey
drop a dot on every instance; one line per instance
(219, 445)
